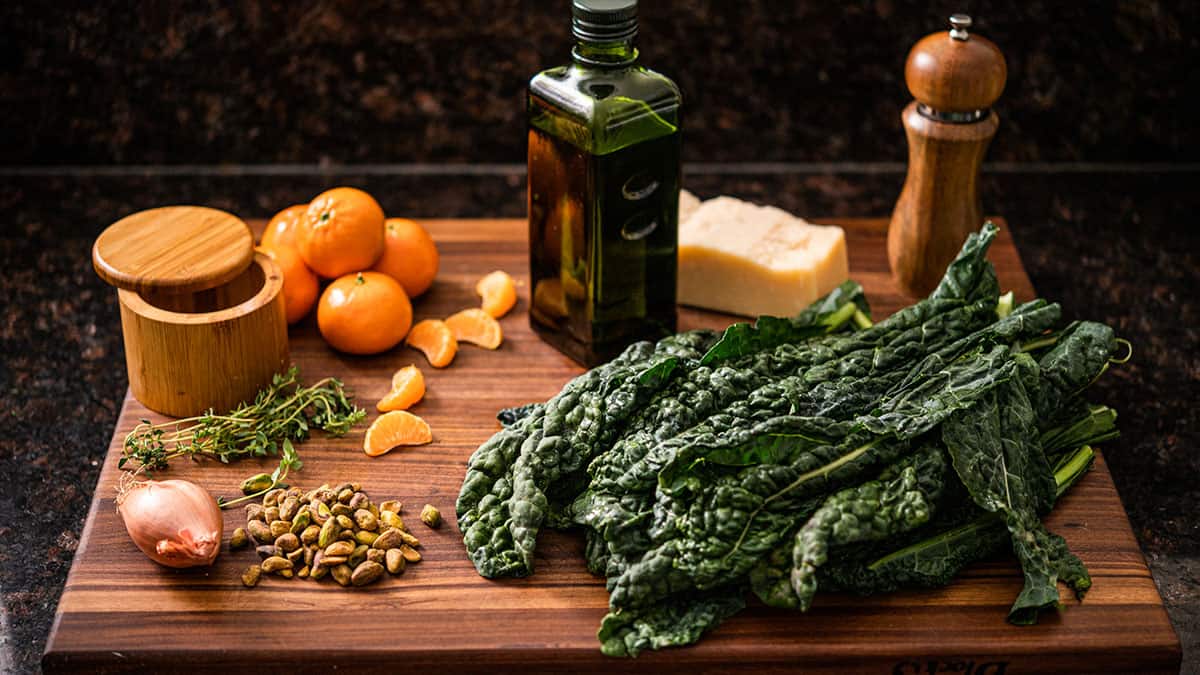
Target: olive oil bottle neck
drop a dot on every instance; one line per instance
(605, 54)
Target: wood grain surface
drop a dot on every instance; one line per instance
(121, 612)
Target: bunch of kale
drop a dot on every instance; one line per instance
(814, 452)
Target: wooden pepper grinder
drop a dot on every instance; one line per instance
(955, 78)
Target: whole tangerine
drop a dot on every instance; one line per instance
(364, 313)
(409, 256)
(281, 230)
(341, 232)
(299, 283)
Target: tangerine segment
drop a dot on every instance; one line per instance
(499, 293)
(434, 338)
(477, 327)
(408, 388)
(393, 429)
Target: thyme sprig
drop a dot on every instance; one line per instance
(283, 412)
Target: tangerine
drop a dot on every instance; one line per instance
(409, 255)
(499, 293)
(434, 338)
(477, 327)
(300, 285)
(393, 429)
(364, 313)
(408, 388)
(341, 232)
(282, 227)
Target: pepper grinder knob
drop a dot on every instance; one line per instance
(955, 76)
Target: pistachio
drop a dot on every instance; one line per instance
(317, 572)
(389, 539)
(373, 509)
(254, 512)
(286, 574)
(366, 520)
(333, 560)
(342, 574)
(393, 505)
(410, 554)
(318, 559)
(289, 507)
(359, 555)
(288, 542)
(375, 555)
(340, 509)
(390, 519)
(345, 523)
(303, 573)
(270, 513)
(257, 483)
(395, 561)
(329, 533)
(365, 537)
(260, 531)
(431, 516)
(320, 514)
(357, 487)
(358, 501)
(272, 497)
(366, 572)
(310, 554)
(279, 527)
(344, 496)
(295, 492)
(340, 548)
(409, 539)
(344, 486)
(276, 564)
(251, 576)
(267, 551)
(301, 521)
(239, 539)
(347, 535)
(296, 557)
(326, 495)
(310, 534)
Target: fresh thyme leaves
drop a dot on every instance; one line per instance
(283, 413)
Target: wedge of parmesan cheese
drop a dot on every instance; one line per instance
(746, 259)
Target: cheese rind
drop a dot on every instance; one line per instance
(746, 259)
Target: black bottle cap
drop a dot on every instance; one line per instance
(604, 20)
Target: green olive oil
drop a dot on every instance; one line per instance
(604, 172)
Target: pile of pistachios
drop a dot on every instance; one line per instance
(336, 532)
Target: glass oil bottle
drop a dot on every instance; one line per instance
(604, 173)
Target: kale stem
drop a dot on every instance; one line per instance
(862, 320)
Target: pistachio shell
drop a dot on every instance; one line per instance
(366, 572)
(395, 561)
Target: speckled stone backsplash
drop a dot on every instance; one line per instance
(439, 81)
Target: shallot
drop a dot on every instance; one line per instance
(174, 522)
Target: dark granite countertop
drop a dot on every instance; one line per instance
(1117, 246)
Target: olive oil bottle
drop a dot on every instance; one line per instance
(604, 172)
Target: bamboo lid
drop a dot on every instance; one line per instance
(174, 249)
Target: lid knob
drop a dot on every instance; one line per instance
(956, 75)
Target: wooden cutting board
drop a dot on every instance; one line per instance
(119, 611)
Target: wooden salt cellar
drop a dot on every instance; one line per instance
(201, 311)
(955, 78)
